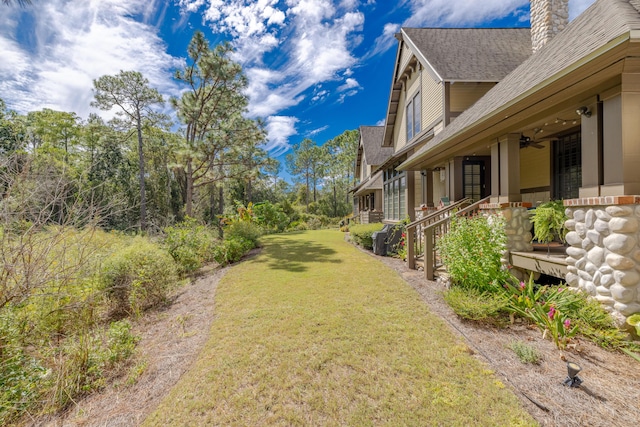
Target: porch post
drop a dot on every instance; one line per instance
(591, 141)
(505, 169)
(621, 132)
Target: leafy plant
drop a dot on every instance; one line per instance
(634, 320)
(362, 234)
(472, 250)
(548, 222)
(471, 304)
(190, 243)
(525, 352)
(547, 307)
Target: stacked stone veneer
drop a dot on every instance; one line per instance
(604, 256)
(517, 228)
(548, 18)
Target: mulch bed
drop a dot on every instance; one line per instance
(609, 395)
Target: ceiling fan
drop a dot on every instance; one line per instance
(525, 141)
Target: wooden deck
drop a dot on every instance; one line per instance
(552, 263)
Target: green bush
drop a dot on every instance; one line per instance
(525, 352)
(138, 277)
(21, 380)
(231, 250)
(271, 217)
(471, 304)
(243, 230)
(190, 244)
(362, 234)
(472, 250)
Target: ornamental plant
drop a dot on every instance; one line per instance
(472, 252)
(546, 307)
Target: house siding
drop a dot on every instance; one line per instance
(464, 95)
(405, 57)
(535, 166)
(432, 102)
(418, 190)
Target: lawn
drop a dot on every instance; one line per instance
(314, 332)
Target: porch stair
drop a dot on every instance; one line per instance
(423, 234)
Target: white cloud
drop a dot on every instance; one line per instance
(381, 122)
(71, 46)
(280, 129)
(314, 132)
(350, 83)
(314, 41)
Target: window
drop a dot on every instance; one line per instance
(567, 166)
(473, 179)
(395, 186)
(414, 114)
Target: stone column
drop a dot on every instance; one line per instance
(517, 228)
(604, 256)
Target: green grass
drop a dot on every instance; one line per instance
(314, 332)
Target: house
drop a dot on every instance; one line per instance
(439, 73)
(563, 125)
(368, 193)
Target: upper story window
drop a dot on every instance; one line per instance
(414, 116)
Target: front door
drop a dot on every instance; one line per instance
(567, 166)
(473, 183)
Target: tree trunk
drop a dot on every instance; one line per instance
(220, 209)
(143, 196)
(189, 176)
(335, 201)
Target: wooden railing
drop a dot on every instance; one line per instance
(437, 229)
(415, 234)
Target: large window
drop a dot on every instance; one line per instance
(567, 166)
(395, 185)
(414, 114)
(473, 179)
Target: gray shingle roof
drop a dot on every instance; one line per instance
(604, 21)
(374, 152)
(472, 54)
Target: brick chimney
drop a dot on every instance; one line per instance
(548, 18)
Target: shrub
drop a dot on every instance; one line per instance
(471, 304)
(271, 217)
(362, 234)
(190, 244)
(21, 380)
(525, 352)
(231, 250)
(138, 277)
(243, 230)
(472, 251)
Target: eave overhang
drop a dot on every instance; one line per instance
(559, 90)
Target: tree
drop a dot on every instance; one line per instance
(300, 164)
(216, 133)
(56, 128)
(130, 92)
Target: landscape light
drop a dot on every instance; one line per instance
(573, 380)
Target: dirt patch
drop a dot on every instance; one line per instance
(609, 395)
(170, 342)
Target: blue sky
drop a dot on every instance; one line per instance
(315, 67)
